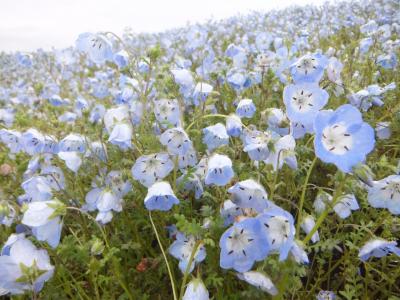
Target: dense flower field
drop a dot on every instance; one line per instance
(250, 158)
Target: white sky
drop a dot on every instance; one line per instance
(30, 24)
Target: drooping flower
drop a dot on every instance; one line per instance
(303, 101)
(215, 136)
(256, 144)
(242, 245)
(345, 204)
(342, 138)
(385, 193)
(249, 194)
(260, 281)
(151, 168)
(307, 225)
(219, 170)
(196, 290)
(283, 152)
(378, 248)
(201, 92)
(383, 131)
(326, 295)
(278, 229)
(73, 143)
(160, 196)
(321, 201)
(176, 140)
(234, 125)
(167, 112)
(229, 211)
(20, 260)
(298, 253)
(96, 46)
(182, 249)
(245, 108)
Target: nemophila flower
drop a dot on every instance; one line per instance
(54, 176)
(383, 131)
(176, 140)
(44, 219)
(256, 144)
(7, 116)
(385, 193)
(37, 188)
(238, 79)
(307, 225)
(299, 130)
(309, 68)
(303, 101)
(96, 46)
(121, 58)
(151, 168)
(191, 182)
(298, 253)
(372, 95)
(387, 61)
(33, 141)
(229, 211)
(249, 194)
(56, 100)
(182, 249)
(72, 160)
(167, 112)
(321, 201)
(260, 281)
(364, 174)
(378, 248)
(326, 295)
(342, 138)
(24, 268)
(160, 196)
(183, 77)
(189, 159)
(97, 150)
(245, 108)
(276, 120)
(68, 117)
(12, 139)
(72, 143)
(283, 152)
(97, 113)
(345, 204)
(242, 245)
(121, 135)
(234, 125)
(50, 145)
(219, 170)
(278, 229)
(201, 92)
(334, 69)
(196, 290)
(215, 136)
(365, 44)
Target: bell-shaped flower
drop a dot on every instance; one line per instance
(189, 159)
(183, 247)
(309, 68)
(12, 139)
(24, 268)
(72, 160)
(121, 135)
(72, 143)
(242, 245)
(303, 101)
(321, 202)
(191, 182)
(249, 194)
(233, 125)
(299, 130)
(383, 131)
(33, 141)
(176, 140)
(307, 225)
(7, 214)
(38, 188)
(219, 170)
(201, 92)
(151, 168)
(160, 196)
(96, 46)
(345, 204)
(385, 193)
(229, 211)
(278, 229)
(378, 248)
(298, 253)
(342, 138)
(245, 108)
(196, 290)
(256, 144)
(260, 281)
(283, 152)
(215, 136)
(167, 112)
(121, 59)
(44, 219)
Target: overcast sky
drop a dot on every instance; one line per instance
(30, 24)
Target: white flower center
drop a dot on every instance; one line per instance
(307, 65)
(392, 190)
(278, 231)
(302, 101)
(336, 139)
(238, 241)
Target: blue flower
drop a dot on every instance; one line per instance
(215, 136)
(33, 141)
(309, 68)
(44, 220)
(307, 225)
(219, 170)
(196, 290)
(303, 101)
(160, 196)
(249, 194)
(191, 182)
(245, 108)
(260, 281)
(72, 143)
(37, 188)
(385, 193)
(283, 152)
(167, 112)
(22, 255)
(182, 249)
(383, 131)
(342, 138)
(278, 228)
(229, 211)
(326, 295)
(256, 144)
(12, 139)
(121, 58)
(176, 140)
(242, 245)
(345, 205)
(378, 248)
(298, 253)
(151, 168)
(201, 92)
(233, 125)
(96, 46)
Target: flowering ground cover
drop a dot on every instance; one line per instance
(255, 157)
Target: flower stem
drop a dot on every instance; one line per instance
(303, 195)
(171, 278)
